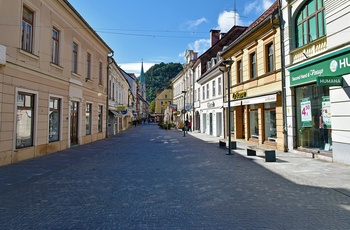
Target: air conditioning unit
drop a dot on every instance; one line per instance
(2, 55)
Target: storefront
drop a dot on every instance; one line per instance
(256, 119)
(312, 83)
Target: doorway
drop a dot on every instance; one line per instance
(74, 123)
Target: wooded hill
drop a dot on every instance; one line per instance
(159, 77)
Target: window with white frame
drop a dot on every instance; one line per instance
(213, 88)
(25, 120)
(310, 22)
(219, 86)
(55, 46)
(100, 81)
(203, 92)
(207, 90)
(54, 119)
(75, 58)
(27, 29)
(270, 62)
(88, 66)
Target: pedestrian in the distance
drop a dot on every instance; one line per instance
(186, 126)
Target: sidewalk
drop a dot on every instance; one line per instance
(296, 167)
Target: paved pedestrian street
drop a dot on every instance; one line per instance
(151, 178)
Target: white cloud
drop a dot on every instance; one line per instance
(195, 23)
(135, 67)
(227, 19)
(257, 6)
(200, 45)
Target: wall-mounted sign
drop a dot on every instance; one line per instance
(239, 95)
(331, 65)
(330, 81)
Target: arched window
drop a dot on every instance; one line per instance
(310, 22)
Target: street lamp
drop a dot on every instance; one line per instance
(184, 92)
(223, 66)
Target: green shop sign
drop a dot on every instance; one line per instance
(329, 81)
(332, 65)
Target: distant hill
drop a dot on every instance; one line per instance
(159, 77)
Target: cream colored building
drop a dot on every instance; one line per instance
(53, 83)
(256, 83)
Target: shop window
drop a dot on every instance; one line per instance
(310, 22)
(270, 121)
(100, 118)
(88, 118)
(254, 121)
(313, 112)
(25, 120)
(54, 119)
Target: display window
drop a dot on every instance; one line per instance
(313, 114)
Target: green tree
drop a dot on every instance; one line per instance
(159, 77)
(152, 106)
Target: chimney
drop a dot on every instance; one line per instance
(214, 37)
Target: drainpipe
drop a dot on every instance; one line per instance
(109, 61)
(284, 95)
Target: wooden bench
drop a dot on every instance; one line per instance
(270, 154)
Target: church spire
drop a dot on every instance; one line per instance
(142, 75)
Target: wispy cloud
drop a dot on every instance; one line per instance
(195, 23)
(257, 6)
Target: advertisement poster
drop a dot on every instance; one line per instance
(306, 115)
(326, 112)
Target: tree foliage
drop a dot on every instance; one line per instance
(159, 77)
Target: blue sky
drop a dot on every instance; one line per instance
(155, 31)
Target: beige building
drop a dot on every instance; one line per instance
(256, 83)
(53, 83)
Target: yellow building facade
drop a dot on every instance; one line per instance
(256, 83)
(163, 100)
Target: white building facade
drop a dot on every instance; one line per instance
(317, 51)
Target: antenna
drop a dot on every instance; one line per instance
(235, 12)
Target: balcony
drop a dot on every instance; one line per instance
(316, 47)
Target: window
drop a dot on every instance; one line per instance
(100, 74)
(270, 121)
(75, 58)
(203, 92)
(25, 120)
(239, 71)
(269, 58)
(310, 22)
(100, 107)
(207, 90)
(199, 94)
(254, 121)
(219, 86)
(166, 96)
(253, 65)
(54, 119)
(213, 86)
(27, 30)
(88, 66)
(55, 46)
(88, 118)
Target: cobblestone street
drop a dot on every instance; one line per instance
(150, 178)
